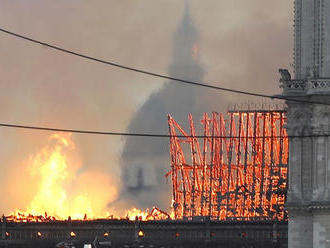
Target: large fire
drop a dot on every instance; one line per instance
(63, 189)
(237, 171)
(131, 214)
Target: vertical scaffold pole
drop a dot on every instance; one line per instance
(260, 207)
(211, 165)
(238, 158)
(229, 162)
(254, 143)
(204, 165)
(173, 164)
(254, 151)
(194, 172)
(246, 149)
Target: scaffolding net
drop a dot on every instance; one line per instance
(235, 170)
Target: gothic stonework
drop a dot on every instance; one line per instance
(309, 127)
(311, 56)
(299, 119)
(321, 120)
(309, 159)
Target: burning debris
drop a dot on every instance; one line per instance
(62, 192)
(132, 214)
(154, 214)
(237, 172)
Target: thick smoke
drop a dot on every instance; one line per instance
(241, 44)
(146, 161)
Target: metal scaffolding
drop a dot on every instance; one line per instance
(236, 170)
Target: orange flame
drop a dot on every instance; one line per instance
(62, 192)
(141, 233)
(134, 213)
(154, 214)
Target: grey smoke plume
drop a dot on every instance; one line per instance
(242, 43)
(145, 161)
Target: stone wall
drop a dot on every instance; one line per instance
(202, 233)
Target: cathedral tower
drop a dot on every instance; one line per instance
(145, 161)
(309, 157)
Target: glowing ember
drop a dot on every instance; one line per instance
(154, 214)
(64, 191)
(237, 171)
(141, 233)
(134, 213)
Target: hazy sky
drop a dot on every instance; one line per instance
(242, 45)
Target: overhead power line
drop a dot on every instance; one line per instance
(150, 135)
(183, 81)
(83, 131)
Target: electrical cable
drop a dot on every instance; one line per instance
(150, 135)
(156, 74)
(150, 74)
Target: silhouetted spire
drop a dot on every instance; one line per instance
(185, 49)
(178, 100)
(186, 10)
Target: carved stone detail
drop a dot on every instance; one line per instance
(308, 86)
(297, 36)
(299, 120)
(321, 120)
(309, 156)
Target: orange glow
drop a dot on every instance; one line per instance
(195, 51)
(238, 171)
(72, 234)
(141, 233)
(134, 213)
(106, 234)
(62, 188)
(172, 215)
(154, 214)
(39, 234)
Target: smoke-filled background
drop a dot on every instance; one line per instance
(237, 44)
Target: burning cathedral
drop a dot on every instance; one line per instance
(307, 123)
(255, 178)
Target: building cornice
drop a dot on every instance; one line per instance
(315, 205)
(306, 87)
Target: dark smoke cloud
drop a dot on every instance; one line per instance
(241, 45)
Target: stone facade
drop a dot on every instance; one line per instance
(312, 39)
(157, 234)
(309, 156)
